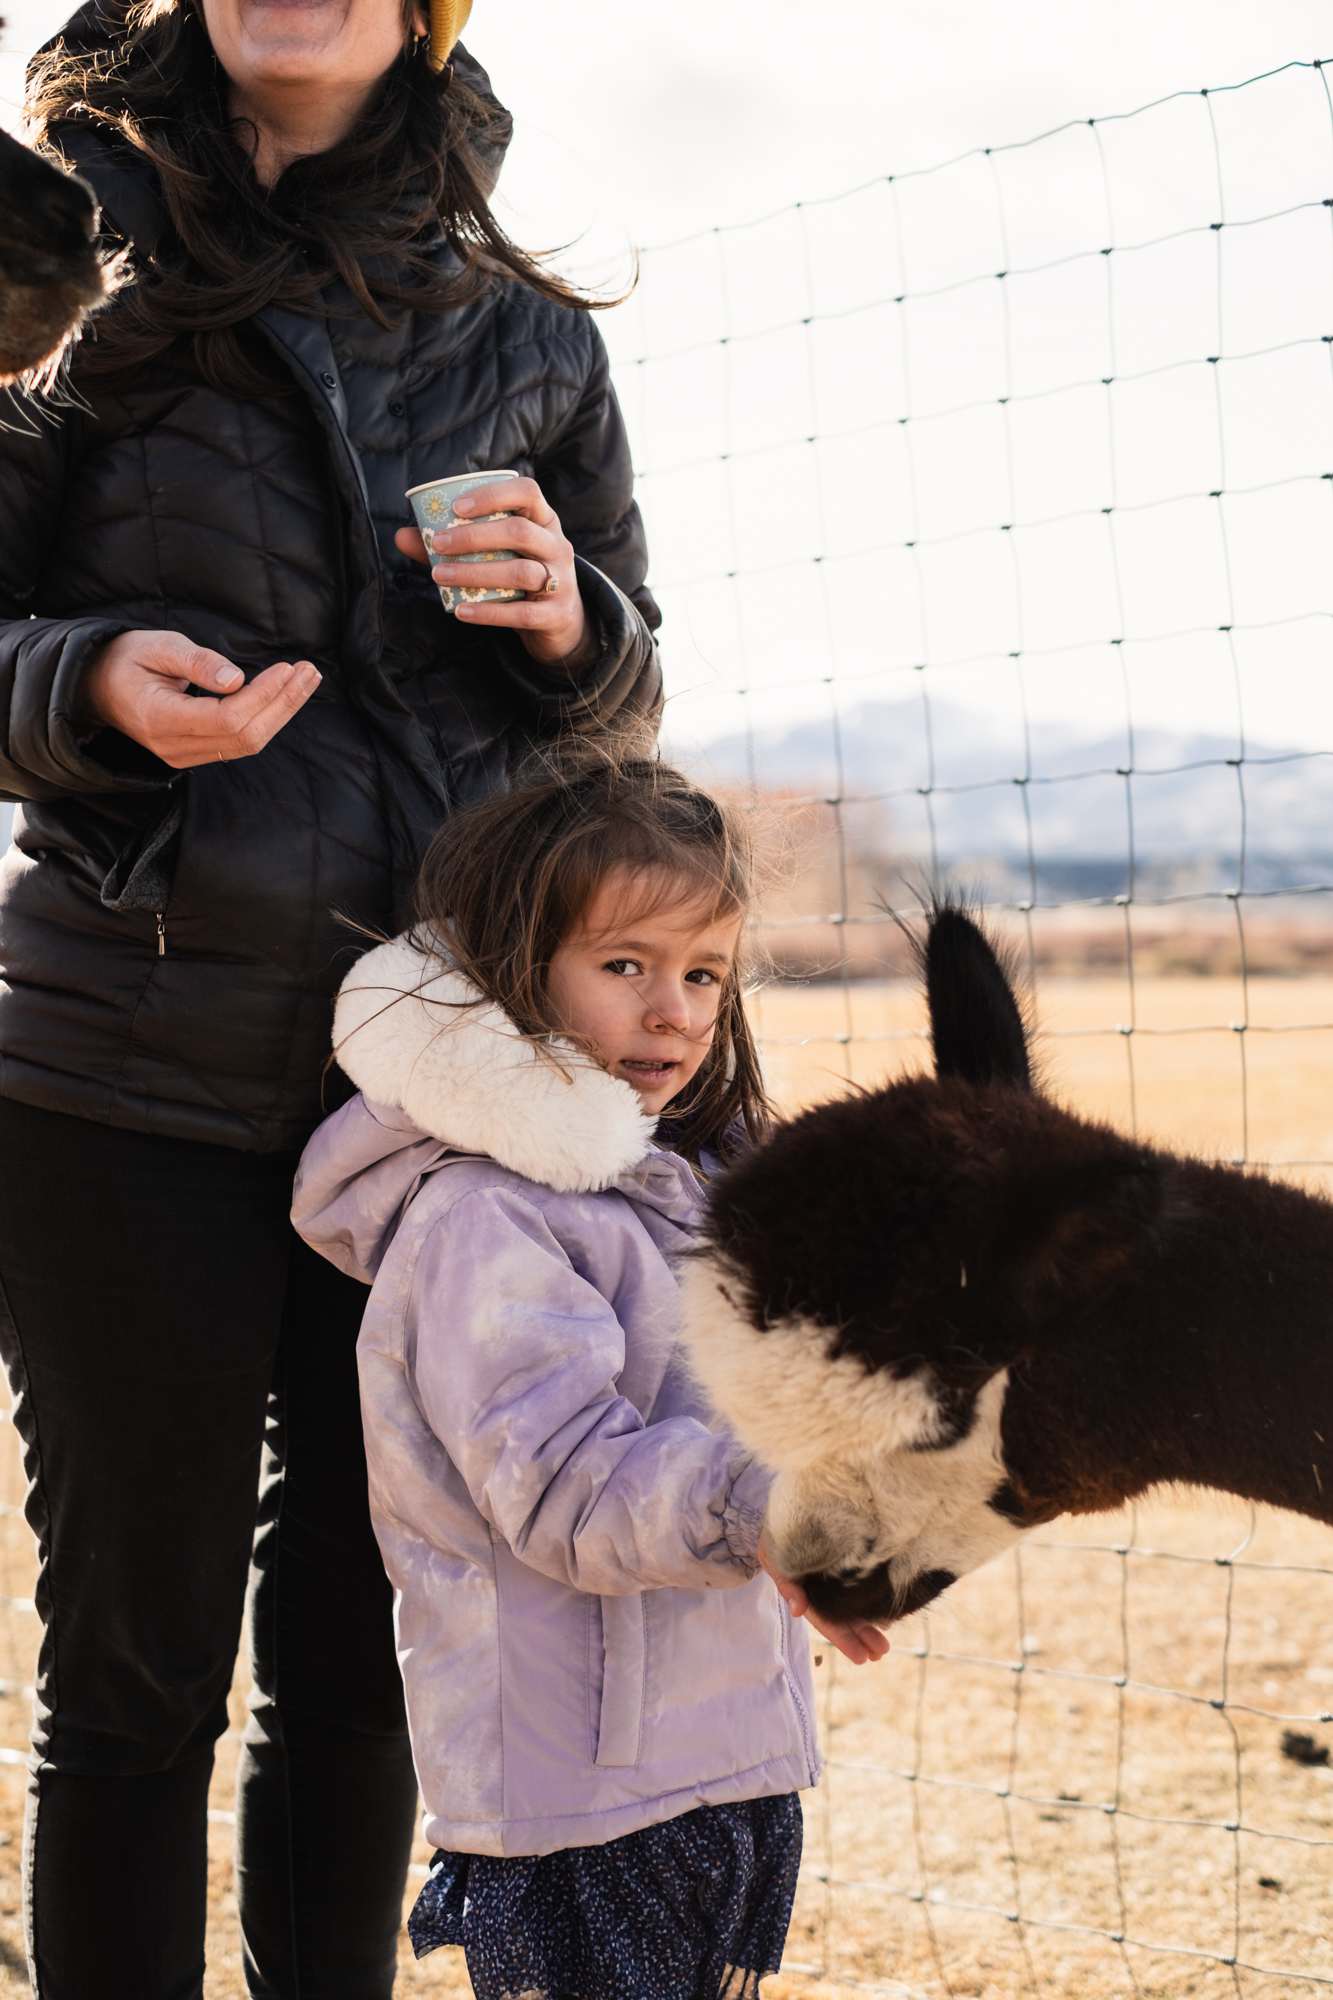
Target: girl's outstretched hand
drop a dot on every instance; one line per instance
(857, 1641)
(550, 619)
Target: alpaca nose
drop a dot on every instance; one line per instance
(875, 1595)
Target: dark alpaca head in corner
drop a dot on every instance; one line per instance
(947, 1310)
(51, 272)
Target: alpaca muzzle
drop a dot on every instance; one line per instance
(874, 1596)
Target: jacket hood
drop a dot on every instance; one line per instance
(113, 166)
(414, 1036)
(443, 1073)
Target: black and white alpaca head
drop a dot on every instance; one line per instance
(51, 272)
(880, 1283)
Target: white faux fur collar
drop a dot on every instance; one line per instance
(464, 1074)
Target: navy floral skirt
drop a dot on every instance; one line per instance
(694, 1909)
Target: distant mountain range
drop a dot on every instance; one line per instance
(1194, 802)
(1186, 792)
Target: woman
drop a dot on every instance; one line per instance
(233, 710)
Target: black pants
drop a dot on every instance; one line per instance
(162, 1325)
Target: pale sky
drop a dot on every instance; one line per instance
(630, 133)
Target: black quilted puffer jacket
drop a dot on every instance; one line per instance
(170, 942)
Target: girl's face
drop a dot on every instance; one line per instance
(342, 46)
(643, 991)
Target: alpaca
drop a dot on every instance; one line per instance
(51, 273)
(947, 1311)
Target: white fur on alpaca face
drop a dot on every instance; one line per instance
(916, 1511)
(858, 1482)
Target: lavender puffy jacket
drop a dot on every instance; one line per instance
(585, 1644)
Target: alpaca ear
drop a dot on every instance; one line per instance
(1073, 1231)
(976, 1026)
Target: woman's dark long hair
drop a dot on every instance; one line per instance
(504, 882)
(413, 168)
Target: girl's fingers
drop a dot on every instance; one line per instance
(857, 1641)
(844, 1639)
(874, 1641)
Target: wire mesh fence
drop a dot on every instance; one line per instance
(989, 509)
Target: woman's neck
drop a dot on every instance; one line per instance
(290, 123)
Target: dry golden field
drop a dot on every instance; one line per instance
(1084, 1745)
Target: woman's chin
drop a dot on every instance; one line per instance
(297, 41)
(292, 57)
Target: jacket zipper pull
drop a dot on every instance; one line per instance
(161, 934)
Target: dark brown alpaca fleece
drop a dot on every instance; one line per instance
(51, 274)
(948, 1310)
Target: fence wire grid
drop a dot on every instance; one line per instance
(1045, 416)
(807, 542)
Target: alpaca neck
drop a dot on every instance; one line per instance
(1213, 1368)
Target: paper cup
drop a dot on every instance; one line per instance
(432, 504)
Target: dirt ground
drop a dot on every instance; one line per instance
(1068, 1780)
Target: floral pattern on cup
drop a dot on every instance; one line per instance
(432, 505)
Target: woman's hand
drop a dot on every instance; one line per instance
(857, 1641)
(140, 682)
(550, 620)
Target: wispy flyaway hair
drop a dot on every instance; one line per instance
(418, 163)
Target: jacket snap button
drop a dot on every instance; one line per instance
(397, 409)
(328, 378)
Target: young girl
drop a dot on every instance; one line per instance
(610, 1708)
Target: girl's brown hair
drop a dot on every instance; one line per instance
(367, 211)
(506, 881)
